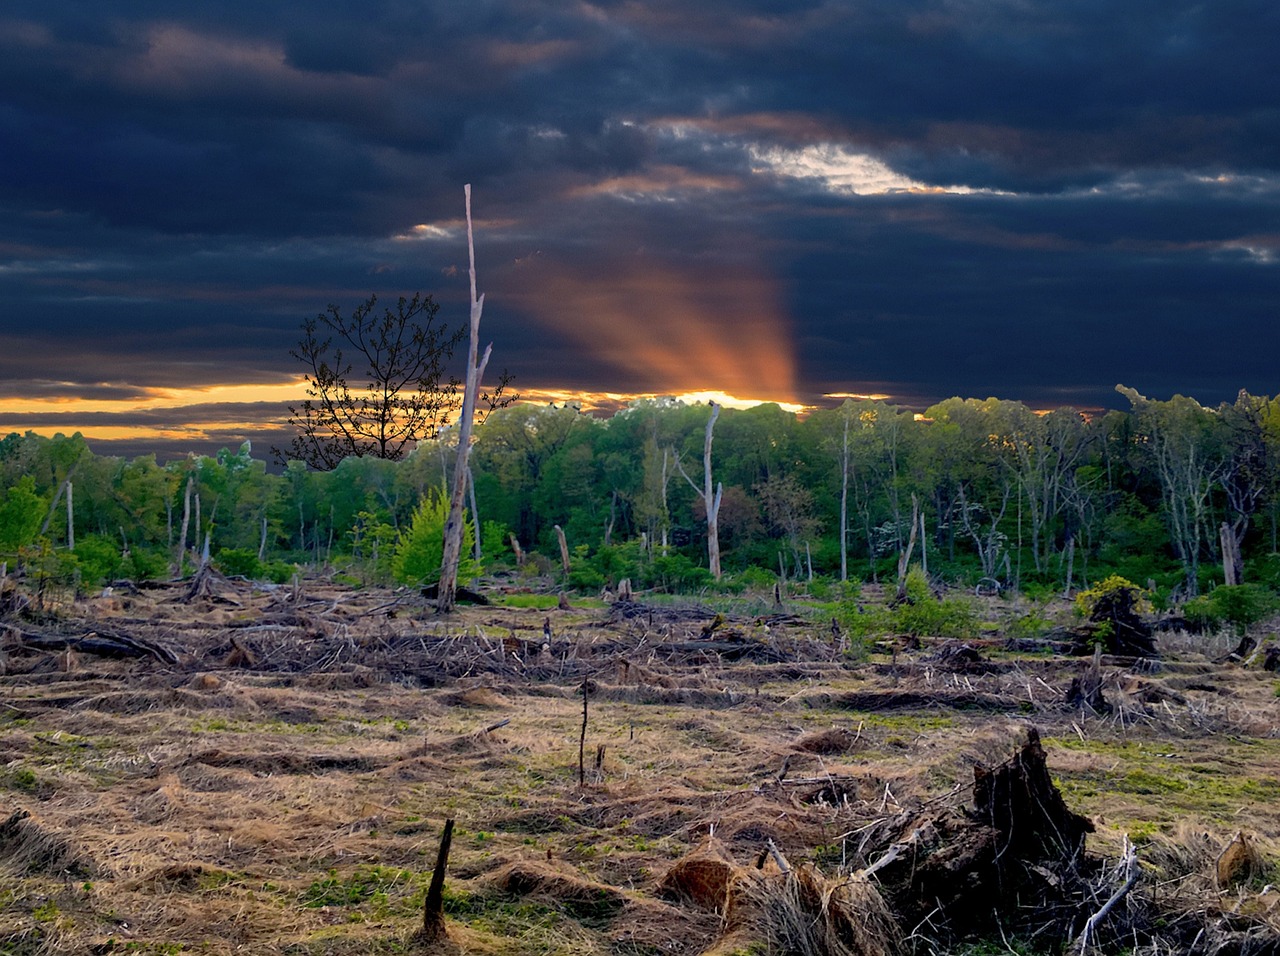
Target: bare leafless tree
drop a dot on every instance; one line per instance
(376, 384)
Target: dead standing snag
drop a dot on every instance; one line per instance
(475, 372)
(433, 927)
(710, 499)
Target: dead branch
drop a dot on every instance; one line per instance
(102, 643)
(1129, 865)
(778, 858)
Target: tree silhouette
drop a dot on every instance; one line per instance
(401, 393)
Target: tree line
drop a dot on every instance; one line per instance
(684, 497)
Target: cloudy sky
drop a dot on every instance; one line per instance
(1034, 199)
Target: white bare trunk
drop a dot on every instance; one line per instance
(844, 504)
(564, 549)
(711, 500)
(453, 526)
(186, 524)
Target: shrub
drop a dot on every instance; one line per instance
(145, 564)
(677, 573)
(1264, 569)
(21, 511)
(755, 578)
(952, 617)
(278, 572)
(1115, 598)
(495, 539)
(1239, 605)
(1031, 625)
(421, 547)
(242, 562)
(920, 614)
(99, 558)
(583, 577)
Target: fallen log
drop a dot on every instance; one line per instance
(464, 595)
(101, 643)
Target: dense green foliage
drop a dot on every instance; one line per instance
(1236, 605)
(1035, 501)
(421, 546)
(919, 613)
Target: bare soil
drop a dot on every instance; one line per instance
(271, 769)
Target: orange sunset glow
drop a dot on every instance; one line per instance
(654, 323)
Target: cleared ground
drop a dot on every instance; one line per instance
(282, 787)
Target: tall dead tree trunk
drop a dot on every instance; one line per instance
(453, 526)
(1232, 565)
(71, 520)
(713, 501)
(924, 545)
(904, 556)
(710, 499)
(564, 549)
(475, 515)
(844, 504)
(186, 524)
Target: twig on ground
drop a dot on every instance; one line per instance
(1129, 865)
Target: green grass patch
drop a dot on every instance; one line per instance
(365, 884)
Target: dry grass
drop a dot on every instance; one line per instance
(294, 807)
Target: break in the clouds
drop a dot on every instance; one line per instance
(1031, 199)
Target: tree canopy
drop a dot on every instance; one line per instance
(990, 488)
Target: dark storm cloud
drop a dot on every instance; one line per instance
(923, 198)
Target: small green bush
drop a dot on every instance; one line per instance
(145, 564)
(99, 558)
(421, 547)
(1031, 625)
(920, 614)
(585, 578)
(678, 574)
(279, 572)
(21, 511)
(238, 562)
(1237, 605)
(755, 579)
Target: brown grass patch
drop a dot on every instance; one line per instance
(29, 845)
